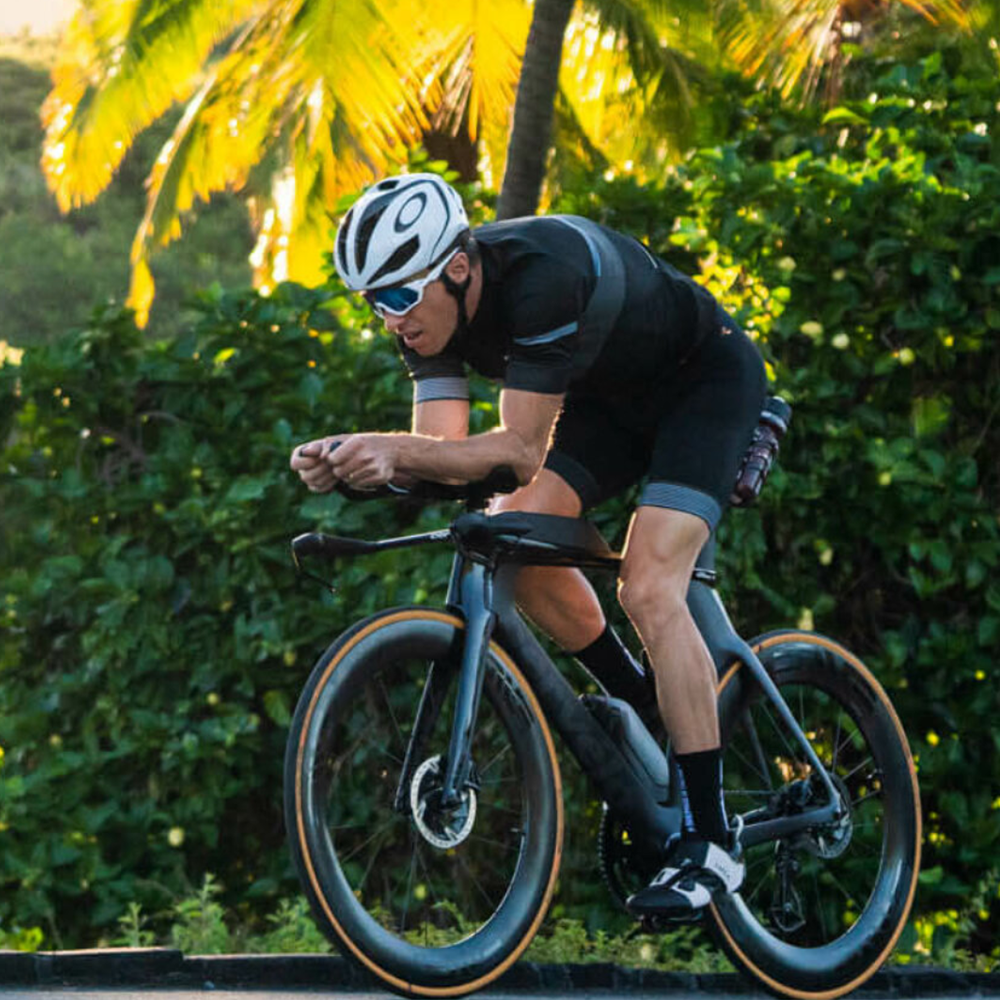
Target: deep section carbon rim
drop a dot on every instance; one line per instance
(423, 892)
(819, 910)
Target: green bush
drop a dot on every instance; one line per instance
(154, 637)
(863, 251)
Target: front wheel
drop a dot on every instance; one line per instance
(819, 911)
(435, 899)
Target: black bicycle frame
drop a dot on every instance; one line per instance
(482, 594)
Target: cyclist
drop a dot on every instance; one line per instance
(614, 368)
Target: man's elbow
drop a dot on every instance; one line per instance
(528, 464)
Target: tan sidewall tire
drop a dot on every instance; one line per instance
(738, 955)
(325, 671)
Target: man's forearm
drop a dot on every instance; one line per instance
(468, 459)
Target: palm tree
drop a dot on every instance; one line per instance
(630, 53)
(299, 103)
(536, 94)
(800, 45)
(293, 102)
(791, 44)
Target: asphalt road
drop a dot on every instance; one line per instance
(44, 993)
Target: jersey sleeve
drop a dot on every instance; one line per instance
(545, 309)
(442, 376)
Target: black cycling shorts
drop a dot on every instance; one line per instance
(686, 438)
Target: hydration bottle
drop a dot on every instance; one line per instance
(774, 421)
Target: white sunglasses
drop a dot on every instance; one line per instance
(398, 300)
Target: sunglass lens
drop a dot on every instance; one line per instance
(394, 300)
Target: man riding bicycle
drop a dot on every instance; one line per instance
(615, 368)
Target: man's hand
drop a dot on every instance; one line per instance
(365, 461)
(309, 460)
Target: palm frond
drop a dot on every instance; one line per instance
(122, 65)
(792, 43)
(633, 119)
(321, 75)
(474, 50)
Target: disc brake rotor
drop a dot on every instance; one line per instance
(833, 838)
(442, 828)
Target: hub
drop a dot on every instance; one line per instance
(443, 828)
(832, 839)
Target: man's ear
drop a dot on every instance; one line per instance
(458, 267)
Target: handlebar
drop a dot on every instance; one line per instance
(476, 493)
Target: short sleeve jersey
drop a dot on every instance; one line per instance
(538, 277)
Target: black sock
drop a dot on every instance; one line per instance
(701, 795)
(610, 663)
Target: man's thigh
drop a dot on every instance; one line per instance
(547, 493)
(599, 449)
(662, 546)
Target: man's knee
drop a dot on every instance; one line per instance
(547, 493)
(651, 598)
(660, 554)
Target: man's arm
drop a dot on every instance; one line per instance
(441, 418)
(521, 442)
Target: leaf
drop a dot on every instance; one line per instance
(247, 488)
(277, 706)
(140, 291)
(311, 389)
(931, 876)
(883, 248)
(324, 321)
(988, 633)
(930, 416)
(221, 357)
(843, 116)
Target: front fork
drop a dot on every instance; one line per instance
(471, 590)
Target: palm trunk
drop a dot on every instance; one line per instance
(533, 109)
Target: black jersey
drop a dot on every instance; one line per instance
(568, 304)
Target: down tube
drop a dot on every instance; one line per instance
(596, 752)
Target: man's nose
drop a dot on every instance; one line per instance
(392, 322)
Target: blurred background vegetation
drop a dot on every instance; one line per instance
(830, 170)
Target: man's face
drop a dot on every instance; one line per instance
(429, 325)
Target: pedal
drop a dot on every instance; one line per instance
(660, 924)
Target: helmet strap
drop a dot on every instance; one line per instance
(457, 291)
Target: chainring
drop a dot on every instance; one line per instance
(625, 868)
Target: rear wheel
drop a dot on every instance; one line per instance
(819, 911)
(434, 900)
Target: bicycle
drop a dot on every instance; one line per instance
(423, 798)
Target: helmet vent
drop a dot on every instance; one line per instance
(361, 241)
(342, 241)
(398, 259)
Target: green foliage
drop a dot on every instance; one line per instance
(200, 926)
(21, 938)
(291, 930)
(155, 636)
(134, 932)
(686, 949)
(862, 252)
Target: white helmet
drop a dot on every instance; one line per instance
(397, 228)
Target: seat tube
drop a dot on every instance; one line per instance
(476, 599)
